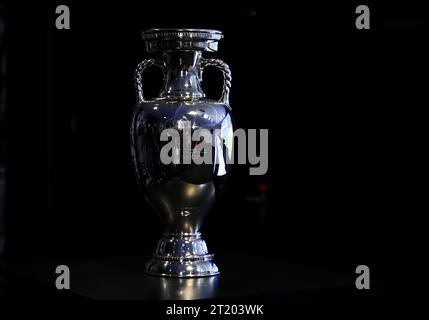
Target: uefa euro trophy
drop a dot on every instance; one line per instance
(183, 191)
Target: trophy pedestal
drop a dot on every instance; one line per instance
(182, 255)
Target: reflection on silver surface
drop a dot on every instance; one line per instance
(182, 194)
(187, 288)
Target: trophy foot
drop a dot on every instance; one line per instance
(181, 255)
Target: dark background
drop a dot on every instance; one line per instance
(342, 107)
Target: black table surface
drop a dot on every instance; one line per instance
(242, 276)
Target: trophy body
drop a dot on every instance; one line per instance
(181, 192)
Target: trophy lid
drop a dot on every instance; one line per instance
(181, 39)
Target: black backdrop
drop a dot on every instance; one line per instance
(341, 105)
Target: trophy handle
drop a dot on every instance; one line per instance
(138, 76)
(226, 72)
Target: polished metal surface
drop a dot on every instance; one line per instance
(181, 194)
(186, 39)
(182, 255)
(188, 289)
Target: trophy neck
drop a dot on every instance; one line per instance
(182, 74)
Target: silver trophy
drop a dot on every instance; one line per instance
(182, 193)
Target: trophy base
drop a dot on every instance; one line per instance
(181, 255)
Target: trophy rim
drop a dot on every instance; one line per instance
(181, 34)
